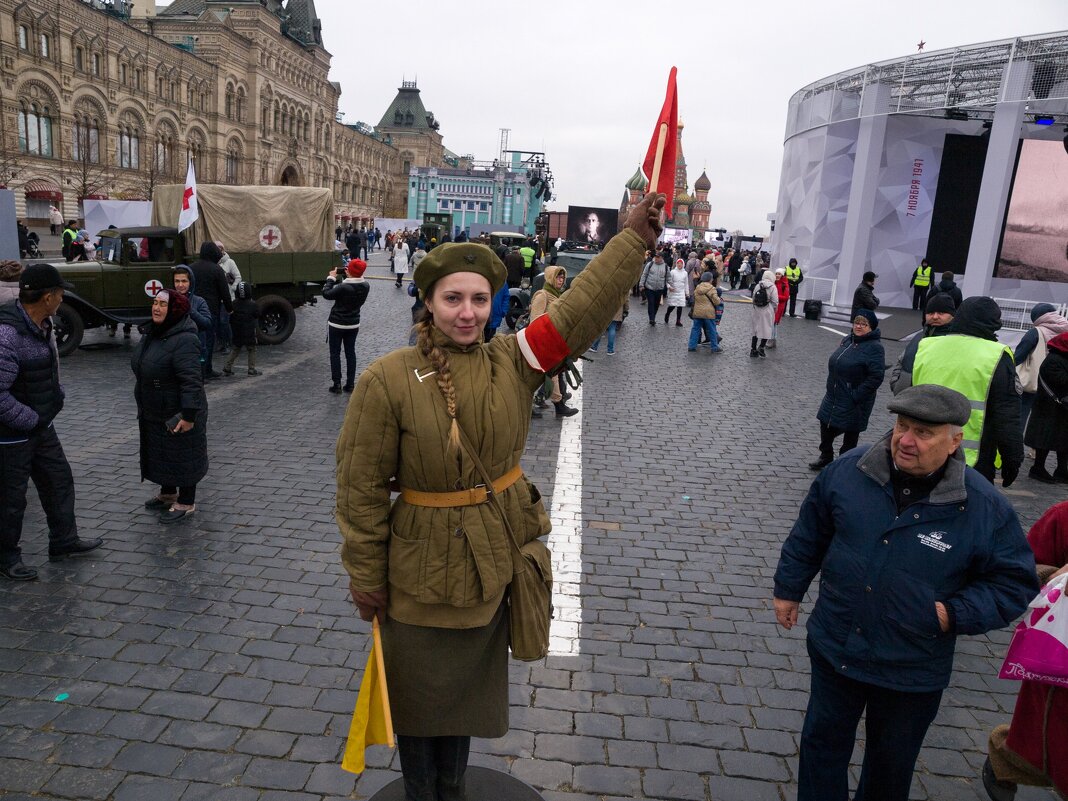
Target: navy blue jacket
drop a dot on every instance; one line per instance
(881, 573)
(854, 373)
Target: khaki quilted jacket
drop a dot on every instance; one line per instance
(450, 567)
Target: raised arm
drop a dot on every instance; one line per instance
(583, 312)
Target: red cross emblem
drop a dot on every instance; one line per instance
(153, 288)
(186, 197)
(270, 237)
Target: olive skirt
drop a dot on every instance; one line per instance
(448, 682)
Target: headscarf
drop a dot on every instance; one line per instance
(209, 251)
(550, 280)
(177, 310)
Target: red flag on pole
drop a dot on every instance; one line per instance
(663, 163)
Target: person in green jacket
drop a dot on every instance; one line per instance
(434, 565)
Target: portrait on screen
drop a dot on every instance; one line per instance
(590, 225)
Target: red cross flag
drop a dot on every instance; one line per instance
(190, 211)
(659, 164)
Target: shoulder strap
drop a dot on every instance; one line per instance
(465, 443)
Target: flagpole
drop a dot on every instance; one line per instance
(381, 662)
(661, 142)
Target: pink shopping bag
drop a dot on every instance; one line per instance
(1039, 647)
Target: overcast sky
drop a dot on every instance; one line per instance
(583, 80)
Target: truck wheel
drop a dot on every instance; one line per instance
(515, 311)
(69, 329)
(277, 319)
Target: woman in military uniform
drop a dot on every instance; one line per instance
(434, 565)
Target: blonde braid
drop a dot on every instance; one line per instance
(440, 361)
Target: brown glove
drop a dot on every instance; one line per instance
(370, 604)
(644, 219)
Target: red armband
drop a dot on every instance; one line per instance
(541, 344)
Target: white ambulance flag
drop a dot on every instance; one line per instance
(190, 212)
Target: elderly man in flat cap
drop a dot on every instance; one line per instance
(913, 548)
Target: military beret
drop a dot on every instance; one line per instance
(460, 257)
(932, 403)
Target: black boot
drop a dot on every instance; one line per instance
(997, 790)
(563, 410)
(335, 388)
(820, 463)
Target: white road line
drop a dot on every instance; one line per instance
(565, 541)
(833, 330)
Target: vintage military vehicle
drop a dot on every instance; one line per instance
(280, 237)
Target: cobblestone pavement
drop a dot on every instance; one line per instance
(219, 658)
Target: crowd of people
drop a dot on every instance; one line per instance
(912, 540)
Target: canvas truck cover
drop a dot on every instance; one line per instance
(253, 219)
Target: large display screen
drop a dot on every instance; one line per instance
(590, 225)
(1034, 245)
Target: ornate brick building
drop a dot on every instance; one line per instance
(106, 98)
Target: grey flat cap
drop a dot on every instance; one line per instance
(932, 403)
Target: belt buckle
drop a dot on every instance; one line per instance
(489, 491)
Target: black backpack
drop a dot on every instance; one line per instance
(760, 296)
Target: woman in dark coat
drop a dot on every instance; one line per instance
(1047, 428)
(854, 373)
(172, 410)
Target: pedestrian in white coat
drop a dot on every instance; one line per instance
(678, 282)
(765, 302)
(400, 261)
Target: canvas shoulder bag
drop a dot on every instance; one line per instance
(530, 593)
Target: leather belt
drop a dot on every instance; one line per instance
(467, 497)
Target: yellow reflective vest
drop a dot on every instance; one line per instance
(922, 277)
(793, 274)
(967, 365)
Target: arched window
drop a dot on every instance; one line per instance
(129, 147)
(79, 59)
(165, 151)
(239, 110)
(196, 147)
(24, 38)
(44, 45)
(97, 64)
(85, 143)
(233, 162)
(35, 129)
(229, 103)
(122, 74)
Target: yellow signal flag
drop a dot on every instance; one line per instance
(372, 721)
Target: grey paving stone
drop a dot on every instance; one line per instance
(22, 775)
(86, 751)
(197, 734)
(238, 713)
(138, 788)
(210, 766)
(135, 726)
(158, 760)
(607, 780)
(84, 783)
(673, 784)
(330, 780)
(277, 774)
(240, 688)
(266, 743)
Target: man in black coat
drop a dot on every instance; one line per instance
(210, 284)
(30, 399)
(947, 286)
(516, 266)
(864, 295)
(352, 242)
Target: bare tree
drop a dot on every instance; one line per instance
(86, 170)
(151, 175)
(9, 158)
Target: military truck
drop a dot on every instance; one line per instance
(280, 237)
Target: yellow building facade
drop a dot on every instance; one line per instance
(107, 99)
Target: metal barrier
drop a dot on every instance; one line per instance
(1016, 314)
(818, 289)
